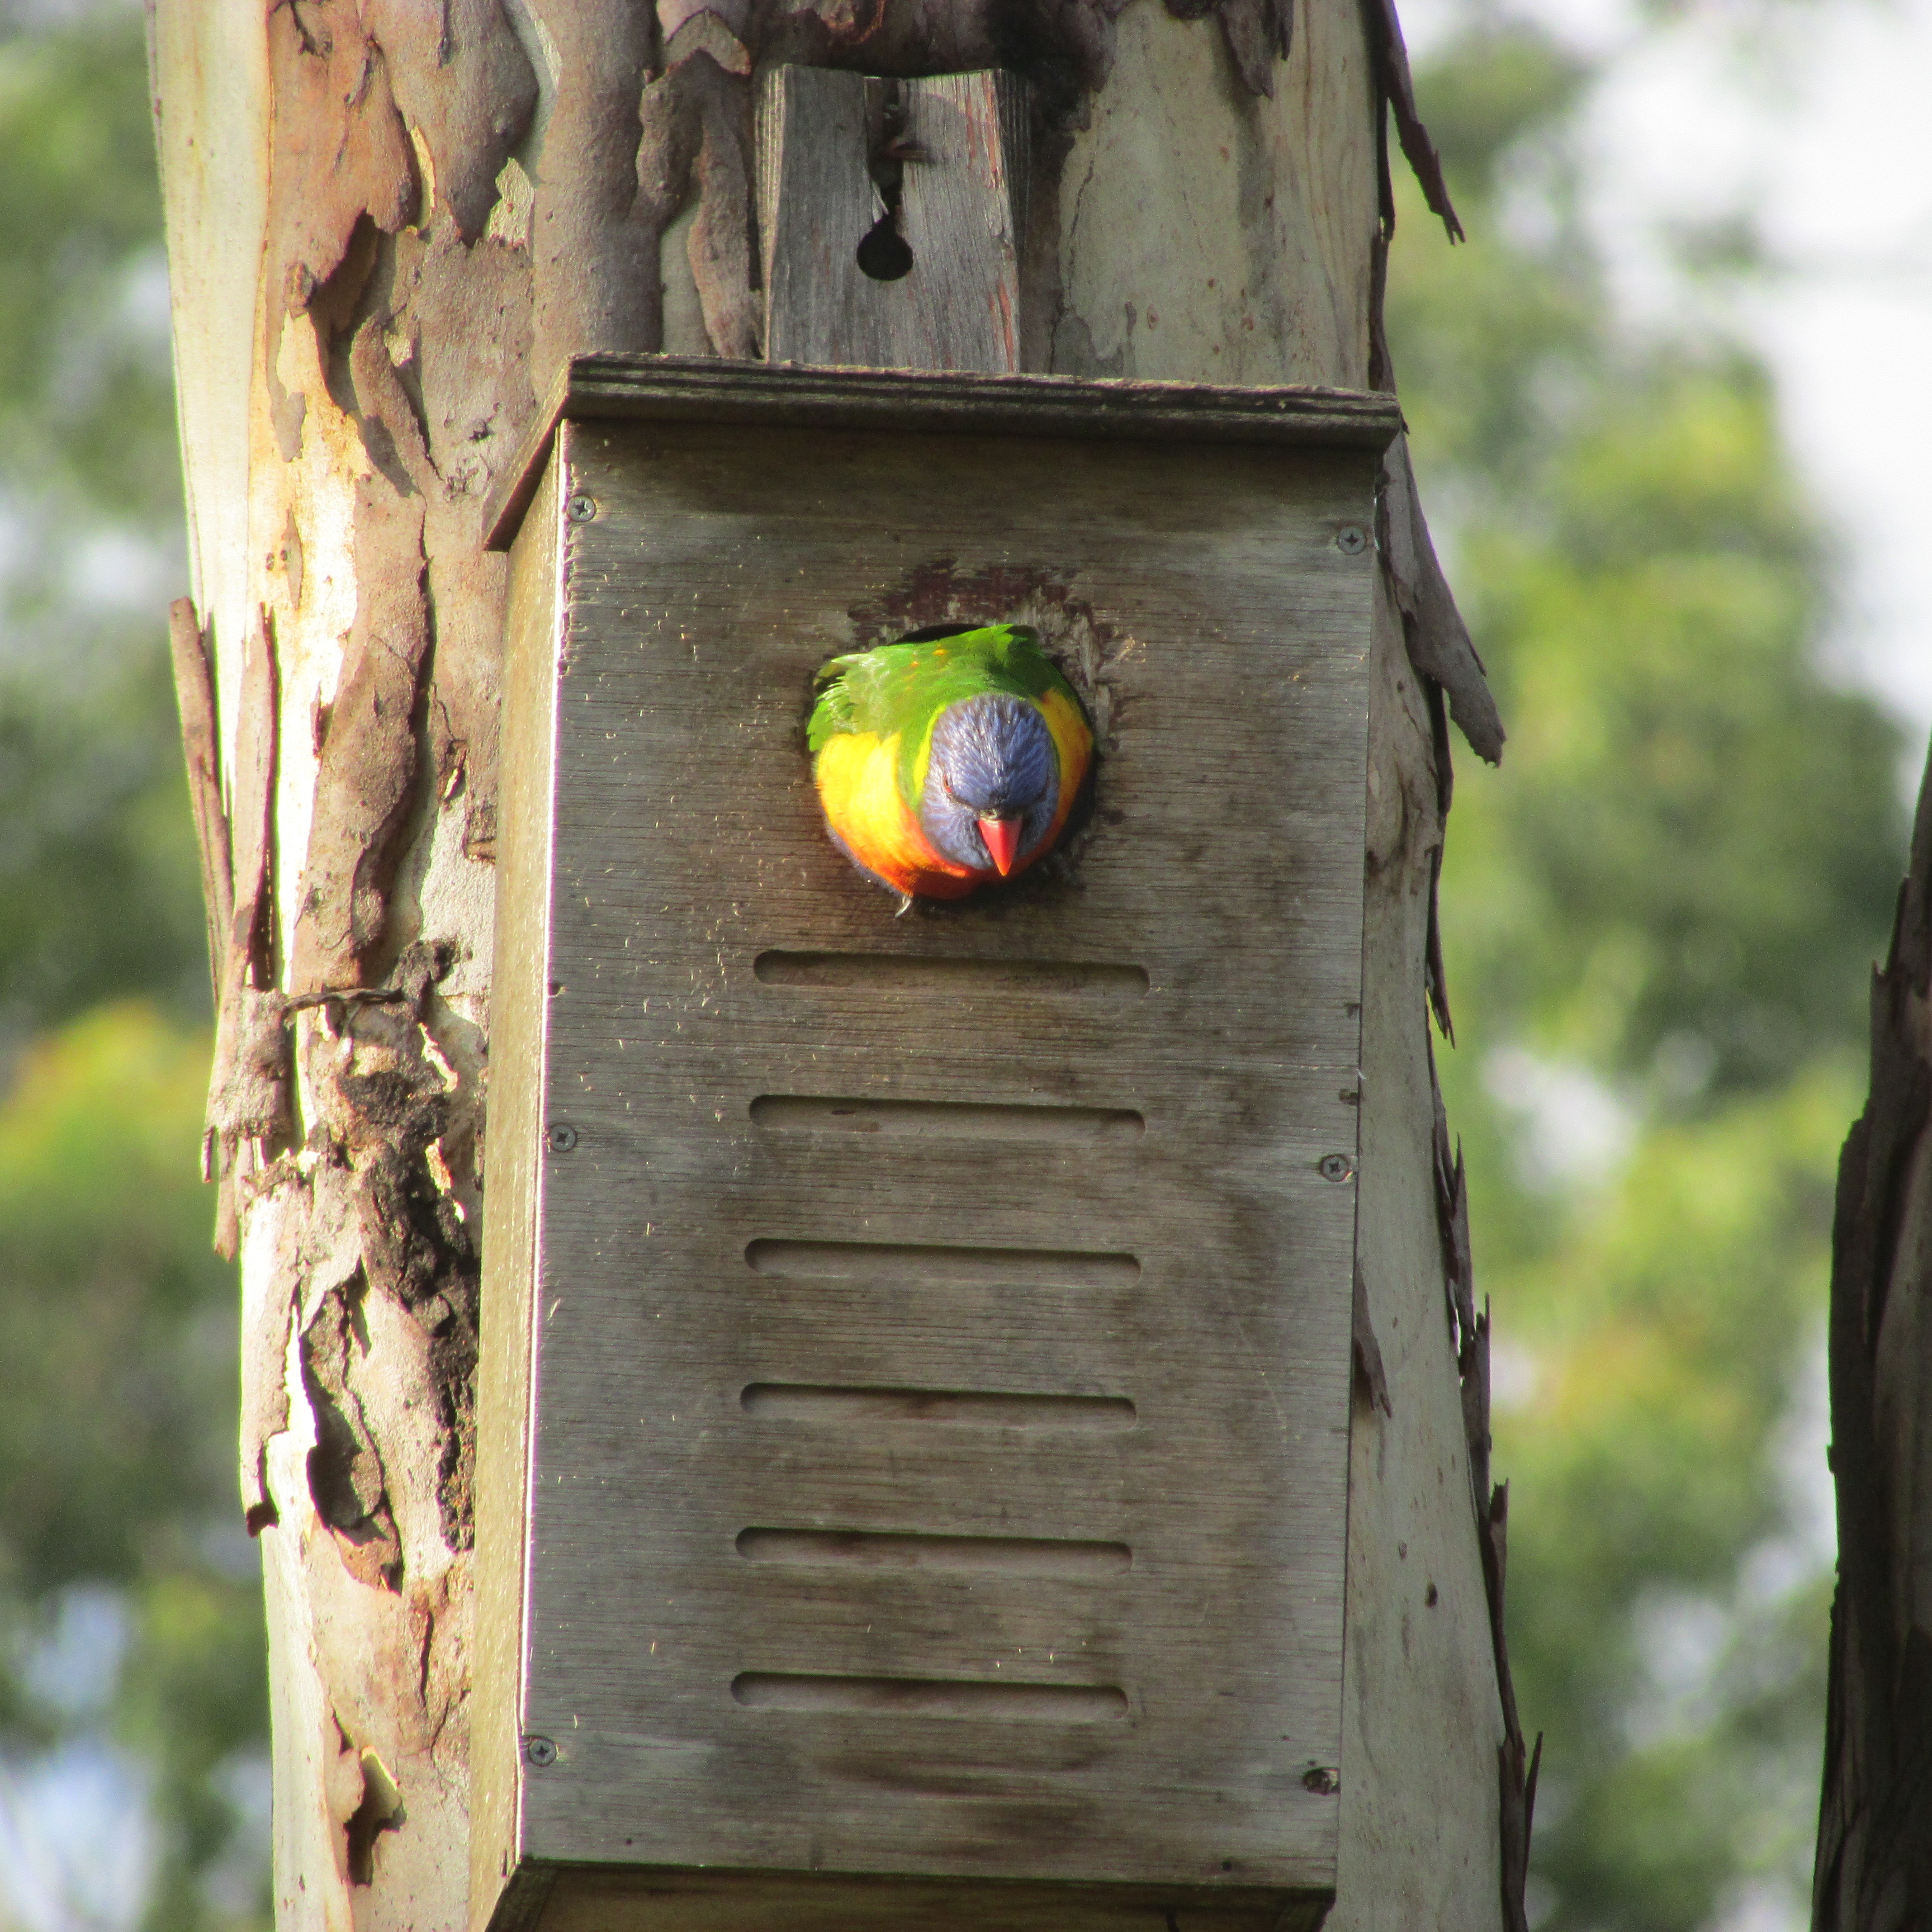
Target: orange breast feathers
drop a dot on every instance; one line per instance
(857, 774)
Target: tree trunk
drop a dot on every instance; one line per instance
(1874, 1863)
(387, 224)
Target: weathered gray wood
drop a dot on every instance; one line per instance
(671, 389)
(708, 1269)
(958, 144)
(1422, 1724)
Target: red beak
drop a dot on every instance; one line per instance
(1001, 838)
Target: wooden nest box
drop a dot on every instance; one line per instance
(916, 1374)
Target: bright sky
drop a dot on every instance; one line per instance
(1808, 116)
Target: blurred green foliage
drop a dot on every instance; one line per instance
(1659, 918)
(116, 1462)
(82, 300)
(99, 885)
(117, 1482)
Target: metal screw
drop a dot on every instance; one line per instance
(1351, 539)
(539, 1751)
(1337, 1167)
(561, 1139)
(583, 508)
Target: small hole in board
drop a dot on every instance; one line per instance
(885, 254)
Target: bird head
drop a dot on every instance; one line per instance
(992, 782)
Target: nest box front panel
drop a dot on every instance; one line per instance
(940, 1331)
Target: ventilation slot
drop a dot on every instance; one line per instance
(931, 1697)
(987, 1409)
(945, 1119)
(976, 1555)
(907, 972)
(951, 1268)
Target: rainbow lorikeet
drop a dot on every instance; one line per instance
(949, 759)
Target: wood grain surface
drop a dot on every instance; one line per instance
(940, 1344)
(960, 211)
(673, 389)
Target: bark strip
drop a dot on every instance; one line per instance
(201, 745)
(1398, 88)
(1873, 1872)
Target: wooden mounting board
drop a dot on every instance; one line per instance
(693, 388)
(916, 1379)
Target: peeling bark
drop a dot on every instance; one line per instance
(1368, 1352)
(366, 739)
(1398, 90)
(1439, 644)
(248, 1103)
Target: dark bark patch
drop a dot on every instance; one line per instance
(381, 1809)
(1874, 1852)
(248, 1084)
(1371, 1377)
(385, 1103)
(1398, 89)
(1517, 1766)
(392, 432)
(1258, 34)
(201, 744)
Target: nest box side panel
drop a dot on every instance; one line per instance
(510, 1212)
(940, 1455)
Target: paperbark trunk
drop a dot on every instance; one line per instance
(387, 222)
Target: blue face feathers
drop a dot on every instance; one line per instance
(992, 757)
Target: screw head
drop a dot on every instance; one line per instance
(583, 508)
(561, 1139)
(539, 1751)
(1337, 1167)
(1351, 540)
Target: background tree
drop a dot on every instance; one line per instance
(1658, 919)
